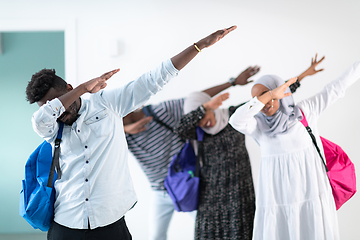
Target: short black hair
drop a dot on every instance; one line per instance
(40, 84)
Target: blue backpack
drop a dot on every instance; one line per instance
(37, 196)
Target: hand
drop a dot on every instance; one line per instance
(216, 102)
(311, 70)
(138, 126)
(214, 37)
(94, 85)
(183, 58)
(243, 77)
(279, 92)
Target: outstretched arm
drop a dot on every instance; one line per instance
(242, 79)
(331, 92)
(311, 70)
(182, 59)
(179, 61)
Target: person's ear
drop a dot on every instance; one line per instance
(69, 87)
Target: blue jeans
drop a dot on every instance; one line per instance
(160, 214)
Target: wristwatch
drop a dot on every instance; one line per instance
(202, 109)
(232, 81)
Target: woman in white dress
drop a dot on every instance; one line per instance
(294, 198)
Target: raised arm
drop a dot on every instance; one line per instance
(332, 91)
(308, 72)
(183, 58)
(134, 94)
(311, 70)
(241, 79)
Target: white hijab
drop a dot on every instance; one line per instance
(194, 100)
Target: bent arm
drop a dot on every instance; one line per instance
(91, 86)
(243, 119)
(44, 120)
(186, 128)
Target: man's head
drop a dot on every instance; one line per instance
(44, 86)
(40, 84)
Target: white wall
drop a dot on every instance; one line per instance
(280, 36)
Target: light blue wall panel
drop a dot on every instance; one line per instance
(23, 54)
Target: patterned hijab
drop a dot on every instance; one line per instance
(285, 117)
(194, 100)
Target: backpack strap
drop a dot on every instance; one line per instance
(306, 125)
(149, 112)
(200, 155)
(55, 160)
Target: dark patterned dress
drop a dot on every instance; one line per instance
(226, 199)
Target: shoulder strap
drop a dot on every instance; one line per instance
(149, 112)
(200, 156)
(200, 134)
(55, 160)
(306, 125)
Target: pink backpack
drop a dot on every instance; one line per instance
(339, 168)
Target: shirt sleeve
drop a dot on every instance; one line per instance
(170, 112)
(186, 128)
(332, 91)
(44, 120)
(134, 94)
(243, 119)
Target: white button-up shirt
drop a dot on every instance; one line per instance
(96, 186)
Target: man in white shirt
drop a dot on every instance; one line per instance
(95, 190)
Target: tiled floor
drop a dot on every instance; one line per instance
(32, 236)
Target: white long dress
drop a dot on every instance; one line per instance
(294, 198)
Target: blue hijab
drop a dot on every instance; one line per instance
(285, 117)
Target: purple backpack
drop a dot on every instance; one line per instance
(182, 181)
